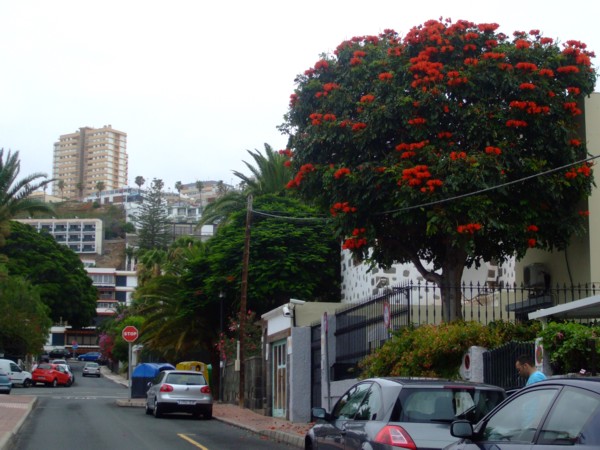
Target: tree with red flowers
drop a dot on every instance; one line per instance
(452, 145)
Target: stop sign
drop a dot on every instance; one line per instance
(130, 333)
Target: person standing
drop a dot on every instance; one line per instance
(526, 367)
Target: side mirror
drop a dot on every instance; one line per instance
(319, 413)
(461, 429)
(149, 384)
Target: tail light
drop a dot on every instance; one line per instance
(395, 436)
(205, 390)
(166, 388)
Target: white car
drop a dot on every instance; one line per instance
(16, 375)
(67, 369)
(91, 369)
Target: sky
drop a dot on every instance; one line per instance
(194, 84)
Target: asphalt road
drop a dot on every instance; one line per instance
(86, 416)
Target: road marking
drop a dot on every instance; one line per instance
(191, 441)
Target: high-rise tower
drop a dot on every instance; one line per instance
(86, 157)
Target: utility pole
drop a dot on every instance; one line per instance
(243, 301)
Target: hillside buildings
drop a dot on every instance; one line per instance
(86, 157)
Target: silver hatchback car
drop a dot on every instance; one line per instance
(179, 391)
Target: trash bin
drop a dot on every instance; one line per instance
(144, 373)
(198, 366)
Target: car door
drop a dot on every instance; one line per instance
(154, 387)
(15, 374)
(514, 425)
(331, 434)
(369, 411)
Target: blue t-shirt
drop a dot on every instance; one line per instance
(535, 377)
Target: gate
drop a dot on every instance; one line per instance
(279, 354)
(315, 366)
(499, 364)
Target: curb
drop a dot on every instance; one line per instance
(8, 436)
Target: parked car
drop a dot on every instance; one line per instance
(91, 369)
(60, 361)
(5, 384)
(18, 376)
(386, 413)
(67, 369)
(59, 353)
(179, 391)
(51, 375)
(542, 416)
(90, 356)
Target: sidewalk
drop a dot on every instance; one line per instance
(279, 430)
(14, 410)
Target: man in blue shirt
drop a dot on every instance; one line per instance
(526, 368)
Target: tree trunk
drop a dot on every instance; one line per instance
(451, 277)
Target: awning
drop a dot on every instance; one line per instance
(586, 308)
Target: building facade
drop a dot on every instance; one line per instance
(86, 157)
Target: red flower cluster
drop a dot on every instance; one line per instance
(530, 107)
(444, 135)
(546, 72)
(304, 169)
(341, 172)
(526, 67)
(575, 142)
(367, 98)
(527, 86)
(584, 170)
(415, 175)
(431, 185)
(522, 44)
(568, 69)
(531, 242)
(492, 150)
(454, 156)
(417, 121)
(316, 118)
(572, 108)
(469, 228)
(385, 76)
(584, 213)
(546, 41)
(355, 242)
(321, 64)
(573, 90)
(455, 79)
(516, 123)
(493, 55)
(471, 61)
(358, 126)
(342, 207)
(533, 228)
(329, 117)
(409, 149)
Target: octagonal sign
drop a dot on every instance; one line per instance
(130, 333)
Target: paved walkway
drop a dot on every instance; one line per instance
(14, 410)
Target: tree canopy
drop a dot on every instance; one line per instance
(55, 270)
(151, 221)
(452, 145)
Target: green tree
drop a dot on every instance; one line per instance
(100, 186)
(419, 146)
(15, 194)
(179, 187)
(25, 323)
(79, 187)
(199, 187)
(292, 255)
(140, 180)
(56, 272)
(152, 220)
(61, 188)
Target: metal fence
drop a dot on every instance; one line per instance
(315, 364)
(499, 364)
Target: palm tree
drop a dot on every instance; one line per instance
(61, 188)
(269, 176)
(100, 186)
(179, 187)
(79, 187)
(15, 195)
(200, 186)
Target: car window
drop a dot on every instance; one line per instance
(348, 405)
(573, 419)
(519, 418)
(189, 379)
(369, 408)
(45, 366)
(14, 367)
(444, 404)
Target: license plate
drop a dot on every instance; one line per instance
(41, 378)
(186, 402)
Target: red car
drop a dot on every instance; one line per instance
(51, 375)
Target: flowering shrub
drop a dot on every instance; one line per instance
(417, 124)
(437, 350)
(227, 343)
(566, 344)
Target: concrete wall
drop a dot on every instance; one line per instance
(299, 375)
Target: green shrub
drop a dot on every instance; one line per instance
(437, 350)
(567, 346)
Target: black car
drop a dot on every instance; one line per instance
(59, 353)
(547, 415)
(387, 413)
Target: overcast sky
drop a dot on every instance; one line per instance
(196, 84)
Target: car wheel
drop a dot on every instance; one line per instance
(308, 444)
(27, 383)
(157, 411)
(54, 383)
(69, 383)
(207, 415)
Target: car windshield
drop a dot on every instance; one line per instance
(45, 366)
(445, 404)
(91, 365)
(186, 378)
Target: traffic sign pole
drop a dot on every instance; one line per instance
(129, 334)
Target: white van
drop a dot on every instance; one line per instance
(15, 373)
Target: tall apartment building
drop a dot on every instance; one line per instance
(86, 157)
